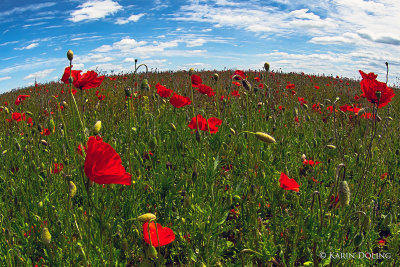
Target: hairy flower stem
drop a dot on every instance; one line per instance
(368, 158)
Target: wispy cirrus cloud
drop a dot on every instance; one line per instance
(5, 78)
(33, 7)
(30, 46)
(132, 18)
(95, 9)
(39, 74)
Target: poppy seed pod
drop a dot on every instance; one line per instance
(146, 217)
(265, 137)
(97, 127)
(72, 189)
(266, 66)
(46, 236)
(378, 95)
(344, 193)
(70, 55)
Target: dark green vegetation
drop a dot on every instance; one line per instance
(219, 193)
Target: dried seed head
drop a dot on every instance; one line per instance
(70, 55)
(266, 66)
(46, 236)
(265, 137)
(344, 193)
(146, 217)
(72, 189)
(97, 127)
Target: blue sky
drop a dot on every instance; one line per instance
(336, 37)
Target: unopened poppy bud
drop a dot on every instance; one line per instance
(366, 223)
(43, 142)
(387, 220)
(358, 239)
(232, 131)
(65, 105)
(246, 84)
(191, 70)
(70, 55)
(46, 236)
(146, 217)
(265, 137)
(128, 92)
(72, 189)
(152, 252)
(198, 136)
(344, 193)
(303, 157)
(331, 146)
(215, 76)
(97, 127)
(266, 66)
(173, 127)
(52, 125)
(145, 85)
(305, 106)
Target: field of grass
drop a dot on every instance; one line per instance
(223, 190)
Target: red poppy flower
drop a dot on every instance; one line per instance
(17, 116)
(288, 183)
(196, 80)
(239, 75)
(113, 78)
(20, 98)
(57, 168)
(369, 87)
(236, 83)
(82, 81)
(101, 97)
(235, 93)
(179, 101)
(261, 86)
(316, 87)
(212, 123)
(310, 162)
(103, 165)
(163, 91)
(257, 79)
(293, 92)
(290, 86)
(296, 119)
(302, 101)
(330, 108)
(383, 176)
(165, 234)
(206, 90)
(45, 131)
(30, 122)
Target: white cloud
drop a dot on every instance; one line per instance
(132, 18)
(197, 65)
(98, 58)
(32, 45)
(33, 7)
(5, 78)
(39, 74)
(95, 9)
(196, 42)
(129, 60)
(103, 48)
